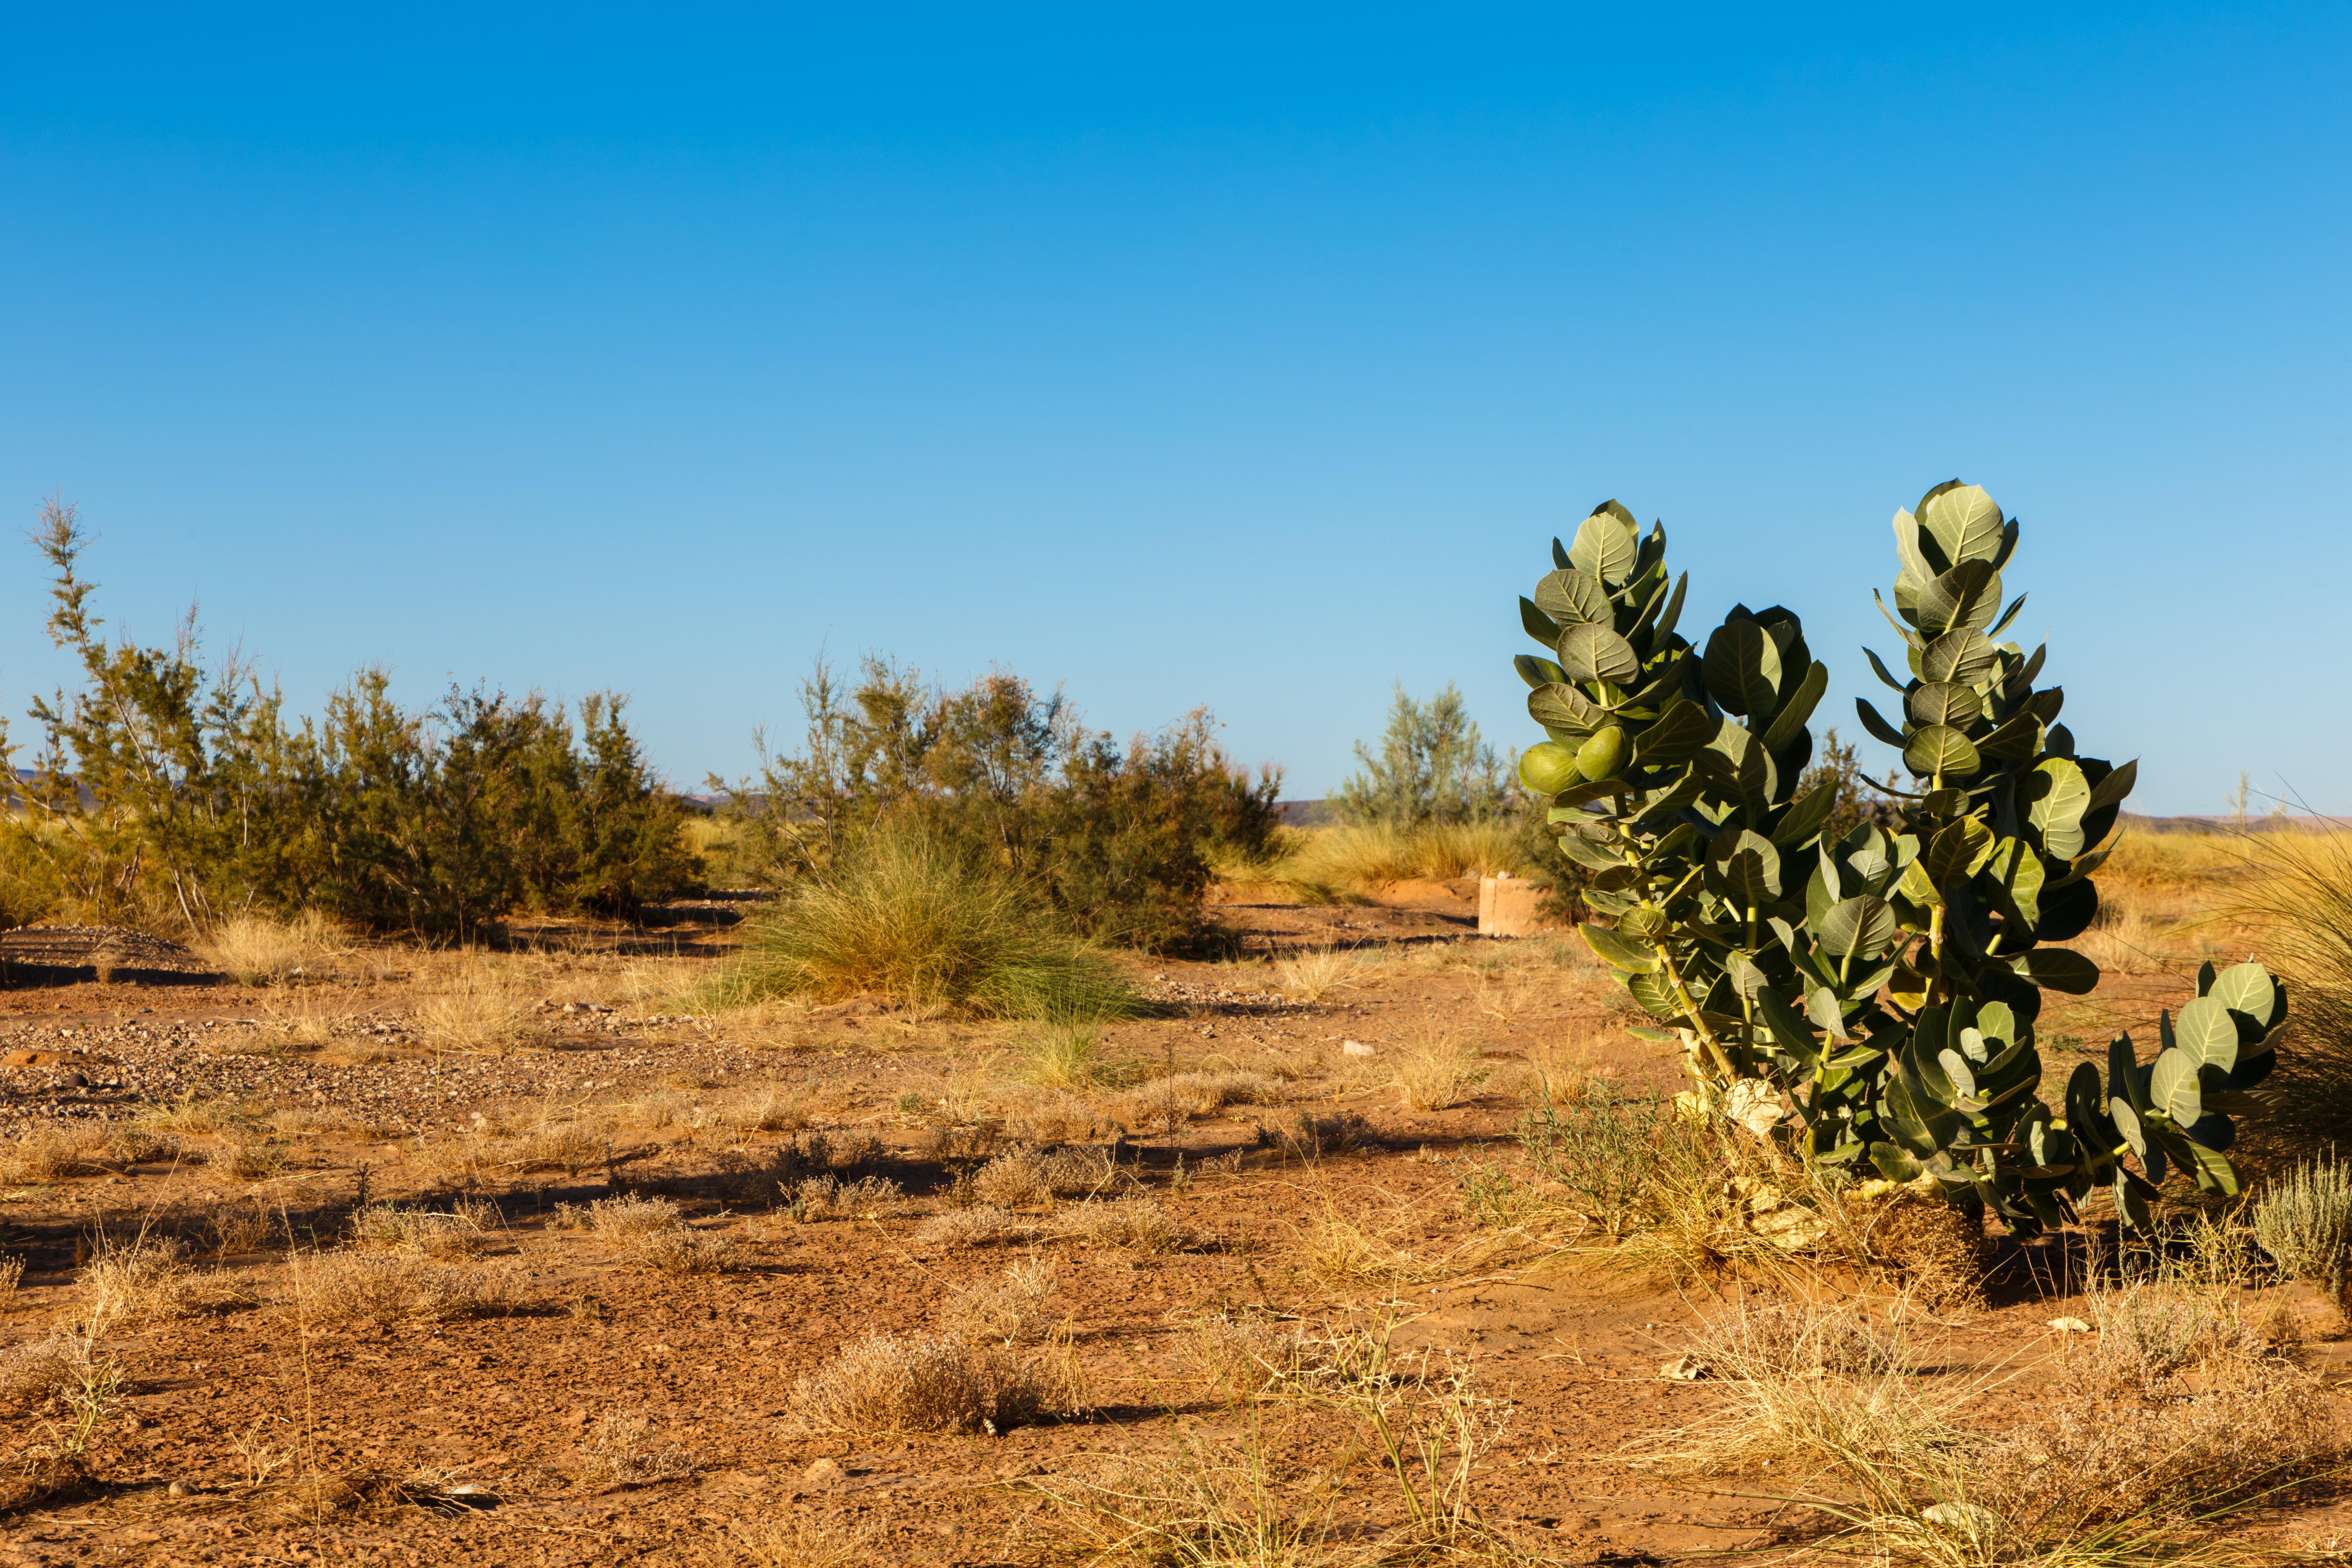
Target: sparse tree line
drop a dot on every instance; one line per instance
(168, 795)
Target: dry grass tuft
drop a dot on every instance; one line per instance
(52, 1154)
(653, 1233)
(796, 1540)
(620, 1453)
(1243, 1357)
(142, 1281)
(1007, 1311)
(889, 1382)
(1313, 972)
(980, 1226)
(394, 1288)
(2304, 1222)
(38, 1371)
(481, 1012)
(464, 1230)
(1032, 1178)
(830, 1197)
(1166, 1104)
(254, 950)
(627, 1216)
(1132, 1224)
(1436, 1071)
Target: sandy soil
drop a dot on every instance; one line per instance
(298, 1439)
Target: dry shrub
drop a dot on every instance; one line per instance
(1339, 1251)
(1243, 1357)
(2122, 941)
(136, 1145)
(1133, 1223)
(1009, 1310)
(2131, 1453)
(625, 1216)
(1920, 1243)
(1166, 1104)
(685, 1251)
(620, 1452)
(1038, 1115)
(771, 1110)
(556, 1143)
(830, 1197)
(394, 1287)
(464, 1230)
(2304, 1222)
(1030, 1178)
(1433, 1072)
(979, 1226)
(251, 1159)
(653, 1233)
(35, 1373)
(12, 1273)
(889, 1383)
(237, 1229)
(1311, 1137)
(142, 1281)
(50, 1154)
(254, 950)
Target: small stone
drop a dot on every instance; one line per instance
(2070, 1325)
(1356, 1048)
(180, 1488)
(825, 1473)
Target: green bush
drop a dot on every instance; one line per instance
(899, 914)
(1115, 843)
(1432, 767)
(165, 794)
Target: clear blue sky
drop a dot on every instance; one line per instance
(1248, 356)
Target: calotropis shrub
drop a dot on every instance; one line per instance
(1887, 984)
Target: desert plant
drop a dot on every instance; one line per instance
(890, 1382)
(393, 1287)
(479, 1013)
(1605, 1148)
(909, 919)
(1673, 775)
(1432, 767)
(1007, 1310)
(2303, 1221)
(1116, 844)
(2296, 888)
(1433, 1070)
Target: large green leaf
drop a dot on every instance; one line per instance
(1618, 954)
(1655, 996)
(2114, 786)
(1965, 524)
(2172, 1088)
(1967, 655)
(1540, 626)
(1573, 598)
(1805, 817)
(1606, 547)
(1880, 730)
(1536, 671)
(1742, 666)
(2017, 871)
(2057, 969)
(1797, 708)
(2055, 795)
(1940, 751)
(1864, 925)
(1736, 762)
(2248, 991)
(1679, 734)
(1944, 702)
(2018, 737)
(1563, 707)
(1748, 866)
(1589, 652)
(2206, 1035)
(1957, 850)
(1966, 596)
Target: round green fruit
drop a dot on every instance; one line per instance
(1601, 757)
(1548, 768)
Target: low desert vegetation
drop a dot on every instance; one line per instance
(911, 918)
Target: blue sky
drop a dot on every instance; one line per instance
(1248, 356)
